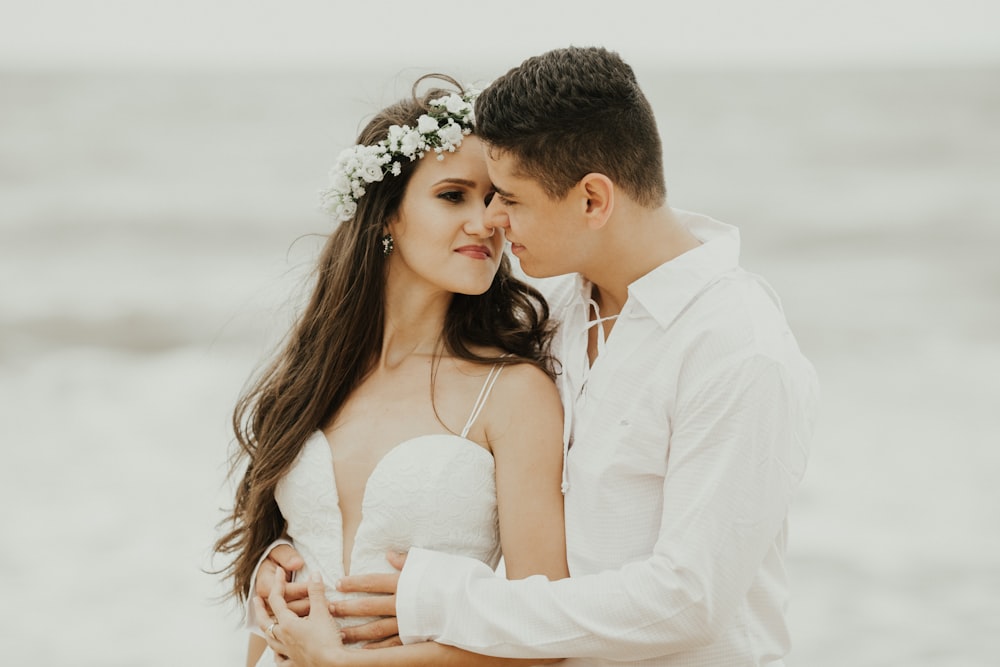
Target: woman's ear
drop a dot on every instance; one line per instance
(389, 223)
(599, 193)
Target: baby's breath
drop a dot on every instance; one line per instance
(439, 130)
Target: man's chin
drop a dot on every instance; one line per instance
(533, 269)
(540, 273)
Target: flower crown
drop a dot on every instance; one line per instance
(441, 129)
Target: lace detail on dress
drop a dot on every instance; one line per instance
(434, 491)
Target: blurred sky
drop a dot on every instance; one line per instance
(325, 33)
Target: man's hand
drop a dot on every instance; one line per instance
(288, 559)
(385, 631)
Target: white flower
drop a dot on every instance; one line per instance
(411, 144)
(359, 165)
(345, 210)
(371, 167)
(455, 105)
(395, 137)
(427, 124)
(339, 181)
(372, 173)
(451, 135)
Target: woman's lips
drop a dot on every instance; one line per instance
(475, 251)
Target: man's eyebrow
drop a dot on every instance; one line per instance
(503, 193)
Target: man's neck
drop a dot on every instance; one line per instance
(635, 243)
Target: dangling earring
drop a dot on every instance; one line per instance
(387, 245)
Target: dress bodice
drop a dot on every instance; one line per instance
(434, 491)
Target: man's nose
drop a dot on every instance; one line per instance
(495, 216)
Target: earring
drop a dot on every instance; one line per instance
(387, 245)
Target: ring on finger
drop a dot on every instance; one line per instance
(270, 631)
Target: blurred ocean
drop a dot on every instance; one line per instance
(155, 225)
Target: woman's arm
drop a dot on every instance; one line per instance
(255, 648)
(524, 427)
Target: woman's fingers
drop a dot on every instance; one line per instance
(277, 597)
(268, 626)
(261, 614)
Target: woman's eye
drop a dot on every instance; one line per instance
(452, 196)
(489, 198)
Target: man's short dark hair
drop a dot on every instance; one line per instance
(573, 111)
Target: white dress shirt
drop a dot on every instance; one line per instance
(689, 437)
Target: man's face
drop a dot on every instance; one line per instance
(539, 228)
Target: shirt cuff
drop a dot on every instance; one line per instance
(412, 624)
(250, 621)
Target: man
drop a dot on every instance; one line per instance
(689, 405)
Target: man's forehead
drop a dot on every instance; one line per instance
(503, 167)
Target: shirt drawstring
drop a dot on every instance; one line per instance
(570, 396)
(567, 401)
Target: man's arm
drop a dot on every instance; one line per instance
(314, 641)
(736, 457)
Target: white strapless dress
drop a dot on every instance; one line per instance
(434, 491)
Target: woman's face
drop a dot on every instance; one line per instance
(439, 233)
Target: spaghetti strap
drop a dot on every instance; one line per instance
(484, 393)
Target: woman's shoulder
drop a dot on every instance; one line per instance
(522, 390)
(525, 374)
(524, 410)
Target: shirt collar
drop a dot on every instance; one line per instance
(666, 290)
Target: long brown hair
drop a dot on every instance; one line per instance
(337, 339)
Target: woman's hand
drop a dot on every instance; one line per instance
(312, 641)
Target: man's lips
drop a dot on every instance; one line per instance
(475, 251)
(516, 247)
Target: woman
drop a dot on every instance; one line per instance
(366, 435)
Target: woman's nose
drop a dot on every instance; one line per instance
(478, 225)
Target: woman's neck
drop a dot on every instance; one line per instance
(414, 323)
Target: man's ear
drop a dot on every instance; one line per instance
(599, 192)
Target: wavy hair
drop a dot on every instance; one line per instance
(337, 339)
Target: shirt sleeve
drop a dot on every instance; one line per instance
(737, 452)
(250, 622)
